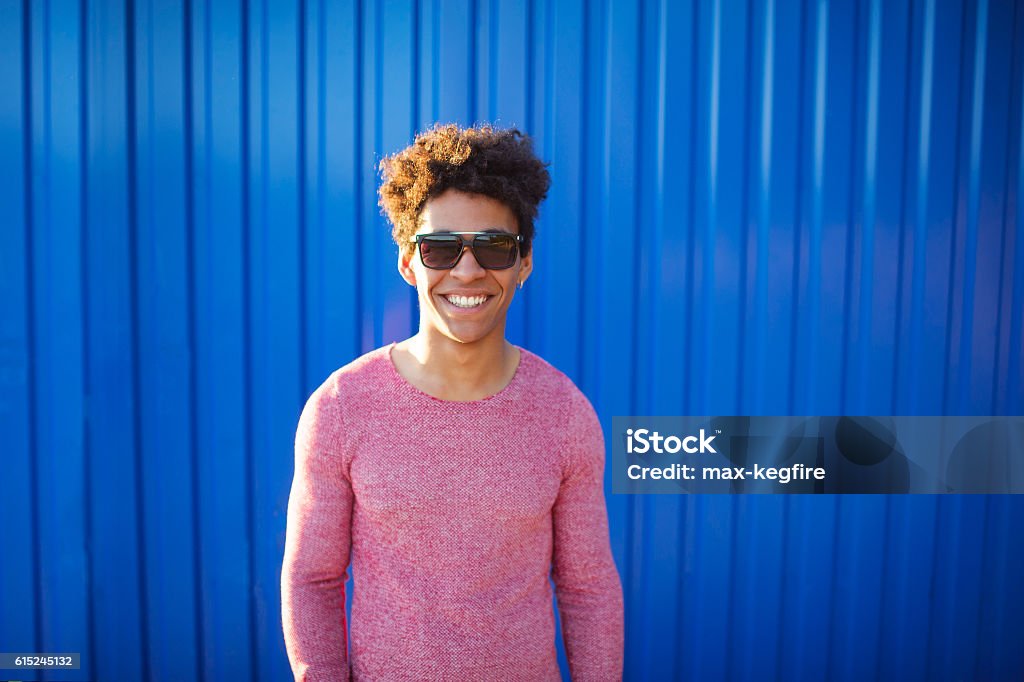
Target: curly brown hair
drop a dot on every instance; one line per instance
(496, 162)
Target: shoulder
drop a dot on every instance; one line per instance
(550, 389)
(550, 386)
(322, 424)
(348, 383)
(357, 377)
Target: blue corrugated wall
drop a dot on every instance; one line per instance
(758, 207)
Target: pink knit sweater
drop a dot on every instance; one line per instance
(454, 512)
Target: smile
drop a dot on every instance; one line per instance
(466, 301)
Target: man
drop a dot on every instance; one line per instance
(457, 469)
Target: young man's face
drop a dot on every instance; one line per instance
(466, 303)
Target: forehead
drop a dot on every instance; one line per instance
(455, 211)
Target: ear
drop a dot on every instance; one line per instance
(405, 257)
(525, 267)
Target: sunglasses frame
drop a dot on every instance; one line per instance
(418, 240)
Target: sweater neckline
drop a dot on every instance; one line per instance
(503, 392)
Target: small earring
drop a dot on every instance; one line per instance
(520, 284)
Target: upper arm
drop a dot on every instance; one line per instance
(581, 542)
(318, 536)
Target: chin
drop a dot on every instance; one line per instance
(467, 334)
(465, 338)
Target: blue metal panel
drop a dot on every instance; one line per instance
(117, 589)
(274, 331)
(223, 465)
(1015, 244)
(20, 622)
(560, 68)
(779, 207)
(164, 306)
(58, 372)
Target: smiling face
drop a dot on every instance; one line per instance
(467, 303)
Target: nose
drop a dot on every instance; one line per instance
(467, 269)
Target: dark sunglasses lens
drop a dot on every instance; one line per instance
(440, 251)
(495, 251)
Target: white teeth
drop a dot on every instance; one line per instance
(466, 301)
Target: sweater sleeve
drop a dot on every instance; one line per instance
(316, 554)
(587, 583)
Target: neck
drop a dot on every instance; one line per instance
(453, 370)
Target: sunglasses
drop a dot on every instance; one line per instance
(492, 250)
